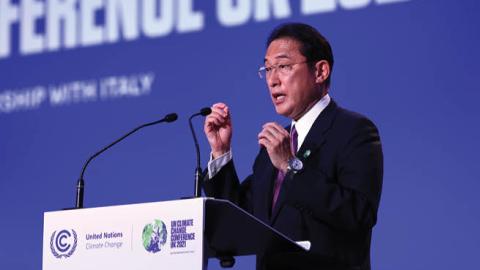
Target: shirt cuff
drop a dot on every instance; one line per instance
(215, 165)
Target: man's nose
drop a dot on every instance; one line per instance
(272, 79)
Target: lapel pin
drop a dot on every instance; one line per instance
(306, 153)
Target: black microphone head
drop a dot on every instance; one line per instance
(170, 117)
(205, 111)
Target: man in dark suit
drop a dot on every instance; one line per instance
(318, 180)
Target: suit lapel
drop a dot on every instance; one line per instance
(312, 143)
(317, 134)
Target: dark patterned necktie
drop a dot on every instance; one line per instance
(280, 174)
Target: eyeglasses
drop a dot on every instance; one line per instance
(284, 69)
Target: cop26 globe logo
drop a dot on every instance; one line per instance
(154, 236)
(63, 243)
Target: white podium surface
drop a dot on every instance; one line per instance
(138, 236)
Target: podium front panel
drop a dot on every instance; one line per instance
(138, 236)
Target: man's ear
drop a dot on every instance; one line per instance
(322, 71)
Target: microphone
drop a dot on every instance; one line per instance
(198, 170)
(81, 183)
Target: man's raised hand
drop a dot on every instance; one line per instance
(276, 140)
(218, 129)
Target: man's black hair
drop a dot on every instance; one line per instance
(314, 46)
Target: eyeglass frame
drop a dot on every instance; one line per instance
(263, 69)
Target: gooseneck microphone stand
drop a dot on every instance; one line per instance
(198, 170)
(81, 182)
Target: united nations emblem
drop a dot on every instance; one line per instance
(154, 236)
(63, 243)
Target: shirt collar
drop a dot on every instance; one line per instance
(304, 124)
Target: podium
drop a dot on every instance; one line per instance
(179, 234)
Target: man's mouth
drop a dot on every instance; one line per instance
(278, 98)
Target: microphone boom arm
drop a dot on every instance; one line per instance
(81, 183)
(198, 170)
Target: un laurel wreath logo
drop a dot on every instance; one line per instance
(63, 243)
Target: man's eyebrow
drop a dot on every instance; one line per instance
(281, 56)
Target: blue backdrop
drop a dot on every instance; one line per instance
(408, 65)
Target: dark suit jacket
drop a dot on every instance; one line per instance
(332, 202)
